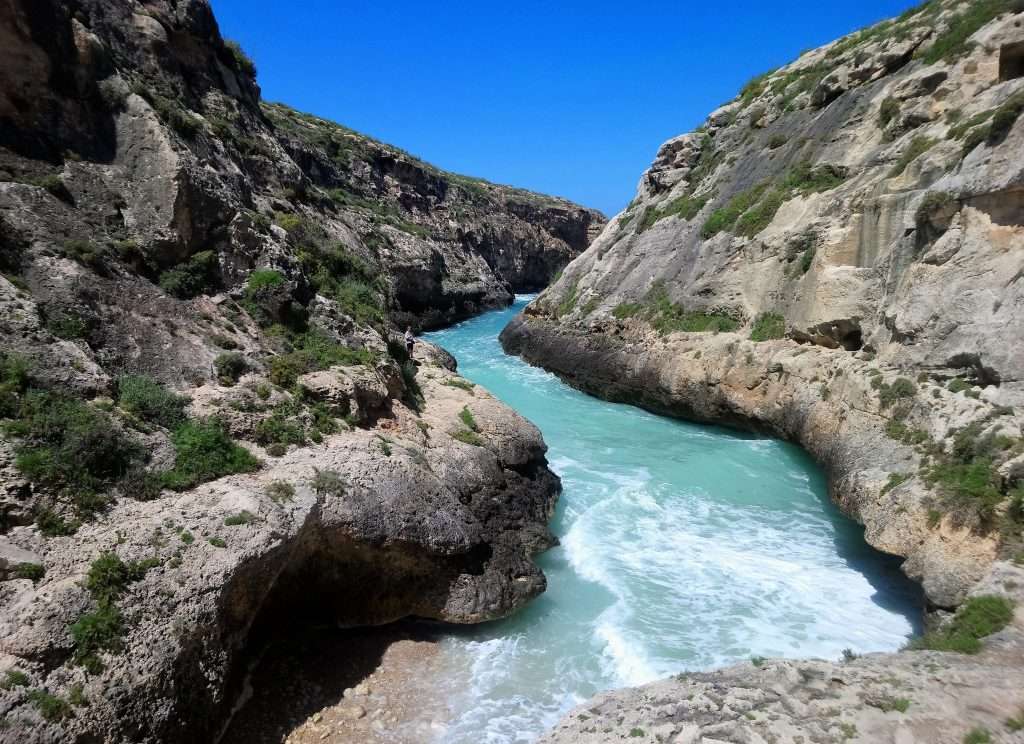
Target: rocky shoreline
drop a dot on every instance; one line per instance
(410, 522)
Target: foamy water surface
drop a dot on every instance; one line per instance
(683, 547)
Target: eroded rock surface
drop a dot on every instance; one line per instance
(835, 258)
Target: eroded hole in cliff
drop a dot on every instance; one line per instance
(1011, 61)
(334, 608)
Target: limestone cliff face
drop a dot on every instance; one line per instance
(208, 432)
(149, 130)
(835, 257)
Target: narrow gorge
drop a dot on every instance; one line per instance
(748, 467)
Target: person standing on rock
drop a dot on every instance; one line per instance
(410, 340)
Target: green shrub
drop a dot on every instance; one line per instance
(280, 492)
(957, 385)
(776, 141)
(69, 444)
(76, 695)
(626, 310)
(328, 483)
(279, 428)
(14, 678)
(313, 351)
(147, 399)
(915, 149)
(347, 279)
(977, 618)
(1005, 117)
(954, 41)
(758, 217)
(230, 366)
(805, 178)
(725, 217)
(218, 542)
(50, 707)
(978, 736)
(262, 279)
(51, 524)
(933, 202)
(99, 630)
(568, 301)
(68, 326)
(204, 451)
(32, 571)
(242, 517)
(54, 184)
(900, 389)
(666, 316)
(85, 252)
(109, 576)
(466, 417)
(685, 207)
(468, 437)
(768, 326)
(458, 382)
(890, 704)
(277, 449)
(895, 480)
(243, 62)
(196, 276)
(14, 381)
(888, 111)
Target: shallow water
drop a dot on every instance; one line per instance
(683, 547)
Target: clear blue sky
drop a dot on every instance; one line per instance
(563, 97)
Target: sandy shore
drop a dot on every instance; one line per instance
(365, 686)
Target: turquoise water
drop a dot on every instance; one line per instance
(683, 547)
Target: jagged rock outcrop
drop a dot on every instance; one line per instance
(416, 523)
(909, 697)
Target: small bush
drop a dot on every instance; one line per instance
(280, 429)
(196, 276)
(954, 41)
(146, 398)
(768, 326)
(957, 385)
(917, 147)
(218, 542)
(50, 707)
(977, 618)
(204, 451)
(625, 310)
(242, 517)
(68, 326)
(280, 492)
(458, 382)
(263, 279)
(895, 480)
(95, 632)
(313, 351)
(277, 449)
(51, 524)
(243, 62)
(14, 678)
(466, 417)
(468, 437)
(888, 111)
(85, 252)
(978, 736)
(14, 381)
(31, 571)
(76, 696)
(230, 366)
(900, 389)
(69, 444)
(109, 576)
(328, 483)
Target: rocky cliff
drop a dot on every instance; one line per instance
(207, 433)
(835, 257)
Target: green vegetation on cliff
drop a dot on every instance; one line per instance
(977, 618)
